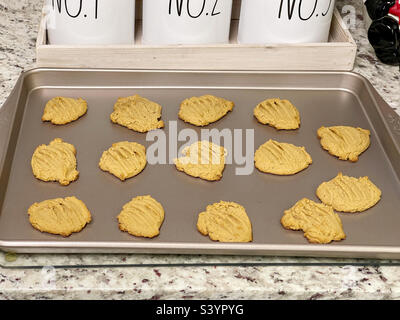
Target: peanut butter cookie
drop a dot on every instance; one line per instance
(346, 143)
(59, 216)
(142, 217)
(202, 159)
(61, 110)
(137, 113)
(349, 194)
(318, 221)
(124, 159)
(281, 114)
(225, 222)
(281, 158)
(201, 111)
(55, 162)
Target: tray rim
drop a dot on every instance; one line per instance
(332, 250)
(306, 250)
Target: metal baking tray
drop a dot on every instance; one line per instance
(323, 98)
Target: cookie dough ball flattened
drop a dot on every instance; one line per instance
(137, 113)
(202, 159)
(142, 217)
(55, 162)
(225, 222)
(349, 194)
(59, 216)
(62, 110)
(281, 158)
(346, 143)
(201, 111)
(281, 114)
(318, 221)
(124, 159)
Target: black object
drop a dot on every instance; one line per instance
(384, 32)
(379, 8)
(384, 36)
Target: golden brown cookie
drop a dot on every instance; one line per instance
(61, 110)
(281, 114)
(202, 159)
(225, 222)
(55, 162)
(281, 158)
(346, 143)
(318, 221)
(124, 159)
(142, 217)
(349, 194)
(201, 111)
(59, 216)
(137, 113)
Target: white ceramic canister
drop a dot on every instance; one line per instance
(285, 21)
(86, 22)
(186, 21)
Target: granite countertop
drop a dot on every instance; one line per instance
(159, 277)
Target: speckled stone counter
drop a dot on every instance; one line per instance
(203, 277)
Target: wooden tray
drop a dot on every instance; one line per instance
(338, 54)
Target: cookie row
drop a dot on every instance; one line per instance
(57, 161)
(222, 221)
(202, 159)
(141, 217)
(140, 114)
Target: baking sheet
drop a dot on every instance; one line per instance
(322, 99)
(69, 261)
